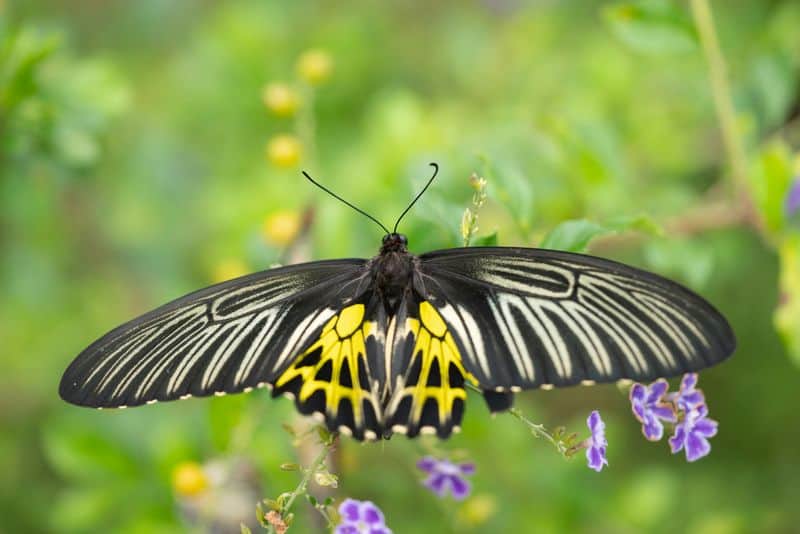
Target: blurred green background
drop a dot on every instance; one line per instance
(147, 151)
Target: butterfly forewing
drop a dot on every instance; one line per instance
(527, 318)
(226, 338)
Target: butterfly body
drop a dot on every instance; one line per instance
(392, 271)
(390, 344)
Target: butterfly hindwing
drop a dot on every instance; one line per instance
(331, 378)
(227, 338)
(428, 376)
(527, 318)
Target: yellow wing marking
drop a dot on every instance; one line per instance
(434, 343)
(342, 343)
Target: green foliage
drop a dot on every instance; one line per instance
(133, 170)
(575, 236)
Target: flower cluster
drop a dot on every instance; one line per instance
(445, 476)
(686, 408)
(295, 100)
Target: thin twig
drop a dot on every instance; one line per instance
(310, 471)
(540, 431)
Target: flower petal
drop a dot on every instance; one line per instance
(638, 393)
(459, 487)
(696, 447)
(427, 464)
(437, 483)
(705, 427)
(346, 529)
(596, 458)
(350, 510)
(664, 412)
(467, 468)
(652, 429)
(595, 423)
(657, 390)
(676, 442)
(371, 514)
(689, 381)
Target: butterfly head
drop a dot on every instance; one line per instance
(394, 242)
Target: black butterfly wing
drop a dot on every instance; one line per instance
(227, 338)
(528, 318)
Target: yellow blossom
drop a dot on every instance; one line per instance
(280, 99)
(281, 227)
(188, 479)
(478, 509)
(315, 66)
(228, 269)
(284, 150)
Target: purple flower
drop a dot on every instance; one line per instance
(792, 202)
(361, 517)
(444, 475)
(596, 444)
(692, 434)
(649, 407)
(688, 398)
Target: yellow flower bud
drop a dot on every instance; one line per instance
(315, 66)
(280, 228)
(280, 99)
(284, 150)
(478, 183)
(188, 479)
(228, 269)
(478, 509)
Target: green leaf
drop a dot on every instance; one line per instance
(27, 51)
(244, 529)
(652, 26)
(486, 240)
(575, 235)
(787, 314)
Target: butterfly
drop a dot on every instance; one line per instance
(372, 347)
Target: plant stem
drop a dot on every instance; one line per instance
(309, 472)
(540, 431)
(721, 94)
(319, 461)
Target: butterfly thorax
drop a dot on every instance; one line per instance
(392, 271)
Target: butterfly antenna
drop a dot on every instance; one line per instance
(337, 197)
(435, 172)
